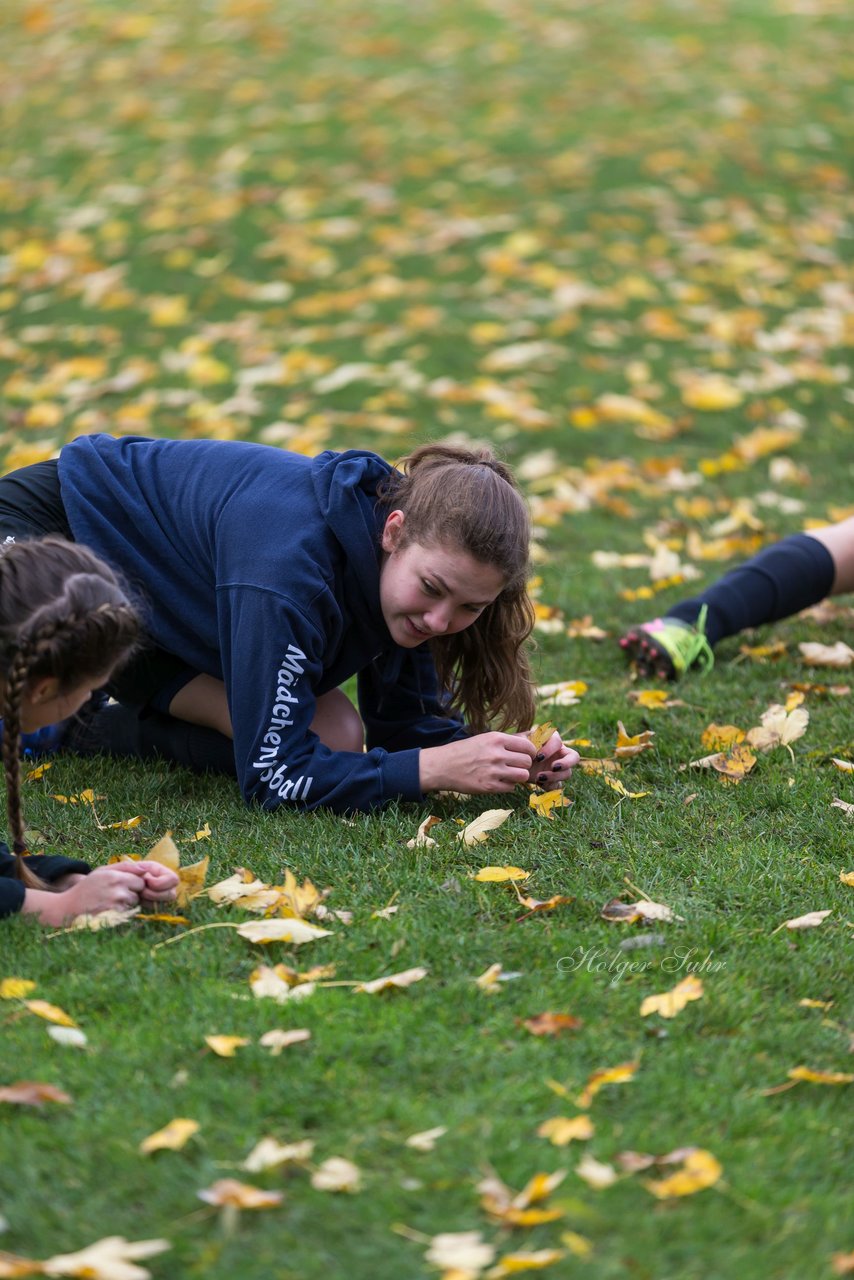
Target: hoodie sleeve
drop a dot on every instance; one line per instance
(50, 868)
(272, 664)
(407, 712)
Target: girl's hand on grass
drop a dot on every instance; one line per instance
(160, 883)
(104, 889)
(485, 763)
(554, 762)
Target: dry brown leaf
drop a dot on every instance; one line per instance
(511, 1264)
(537, 904)
(621, 1074)
(672, 1002)
(226, 1046)
(551, 1024)
(541, 733)
(595, 1173)
(291, 930)
(394, 981)
(632, 746)
(228, 1192)
(719, 737)
(337, 1174)
(32, 1093)
(545, 802)
(561, 1130)
(277, 1039)
(810, 921)
(172, 1137)
(16, 988)
(699, 1170)
(826, 655)
(478, 830)
(779, 728)
(422, 840)
(268, 1153)
(50, 1012)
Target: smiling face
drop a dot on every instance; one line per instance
(430, 591)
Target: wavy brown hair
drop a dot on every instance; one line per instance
(63, 614)
(468, 498)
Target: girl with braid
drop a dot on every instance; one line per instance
(271, 578)
(65, 624)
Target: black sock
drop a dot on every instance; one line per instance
(117, 730)
(779, 581)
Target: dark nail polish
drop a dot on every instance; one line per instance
(541, 777)
(539, 757)
(556, 767)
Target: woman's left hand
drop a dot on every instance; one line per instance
(555, 762)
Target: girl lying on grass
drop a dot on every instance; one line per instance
(271, 578)
(64, 625)
(780, 581)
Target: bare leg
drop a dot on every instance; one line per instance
(839, 540)
(336, 721)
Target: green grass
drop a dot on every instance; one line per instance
(431, 183)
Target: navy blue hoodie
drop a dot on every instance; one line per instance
(261, 568)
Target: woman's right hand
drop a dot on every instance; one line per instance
(480, 765)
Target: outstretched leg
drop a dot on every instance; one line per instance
(781, 580)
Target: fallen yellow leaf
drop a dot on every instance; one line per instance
(50, 1012)
(621, 1074)
(172, 1137)
(277, 1040)
(337, 1174)
(545, 802)
(632, 746)
(239, 1195)
(16, 988)
(478, 830)
(700, 1170)
(672, 1002)
(561, 1130)
(498, 875)
(226, 1046)
(392, 982)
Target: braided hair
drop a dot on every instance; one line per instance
(63, 614)
(469, 499)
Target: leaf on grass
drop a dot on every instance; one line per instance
(699, 1170)
(551, 1024)
(842, 1264)
(172, 1137)
(239, 1195)
(654, 699)
(16, 988)
(490, 978)
(595, 1173)
(337, 1174)
(160, 917)
(422, 840)
(592, 767)
(810, 921)
(291, 930)
(165, 851)
(40, 770)
(70, 1037)
(478, 830)
(31, 1093)
(460, 1254)
(621, 1074)
(191, 881)
(616, 785)
(13, 1265)
(632, 746)
(843, 805)
(847, 877)
(299, 900)
(102, 920)
(498, 875)
(618, 912)
(826, 655)
(240, 885)
(268, 1153)
(561, 1130)
(719, 737)
(391, 982)
(566, 693)
(669, 1003)
(512, 1210)
(543, 904)
(512, 1264)
(847, 766)
(50, 1012)
(809, 1076)
(427, 1139)
(277, 1039)
(545, 802)
(778, 728)
(541, 733)
(764, 652)
(732, 765)
(226, 1046)
(112, 1258)
(203, 834)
